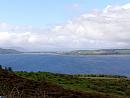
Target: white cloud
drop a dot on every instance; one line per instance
(108, 28)
(14, 28)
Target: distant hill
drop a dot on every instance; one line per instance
(9, 51)
(99, 52)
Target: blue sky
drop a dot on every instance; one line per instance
(37, 25)
(48, 12)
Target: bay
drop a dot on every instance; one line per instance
(90, 64)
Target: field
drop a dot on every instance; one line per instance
(53, 85)
(103, 84)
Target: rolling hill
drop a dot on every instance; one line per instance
(9, 51)
(99, 52)
(23, 86)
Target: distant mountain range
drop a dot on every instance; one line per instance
(9, 51)
(76, 52)
(99, 52)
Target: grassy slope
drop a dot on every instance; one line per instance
(35, 85)
(86, 83)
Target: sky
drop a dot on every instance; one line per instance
(55, 25)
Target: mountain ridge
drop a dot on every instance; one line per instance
(9, 51)
(99, 52)
(73, 52)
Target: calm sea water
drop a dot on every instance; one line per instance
(101, 64)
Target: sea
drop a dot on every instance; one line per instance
(68, 64)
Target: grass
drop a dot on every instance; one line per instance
(41, 84)
(107, 84)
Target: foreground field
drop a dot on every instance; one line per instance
(49, 85)
(103, 84)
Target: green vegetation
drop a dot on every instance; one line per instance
(99, 52)
(33, 83)
(107, 84)
(9, 69)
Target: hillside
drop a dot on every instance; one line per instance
(8, 51)
(96, 85)
(99, 52)
(26, 87)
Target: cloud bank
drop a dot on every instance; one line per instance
(97, 29)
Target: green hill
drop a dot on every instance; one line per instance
(49, 85)
(99, 52)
